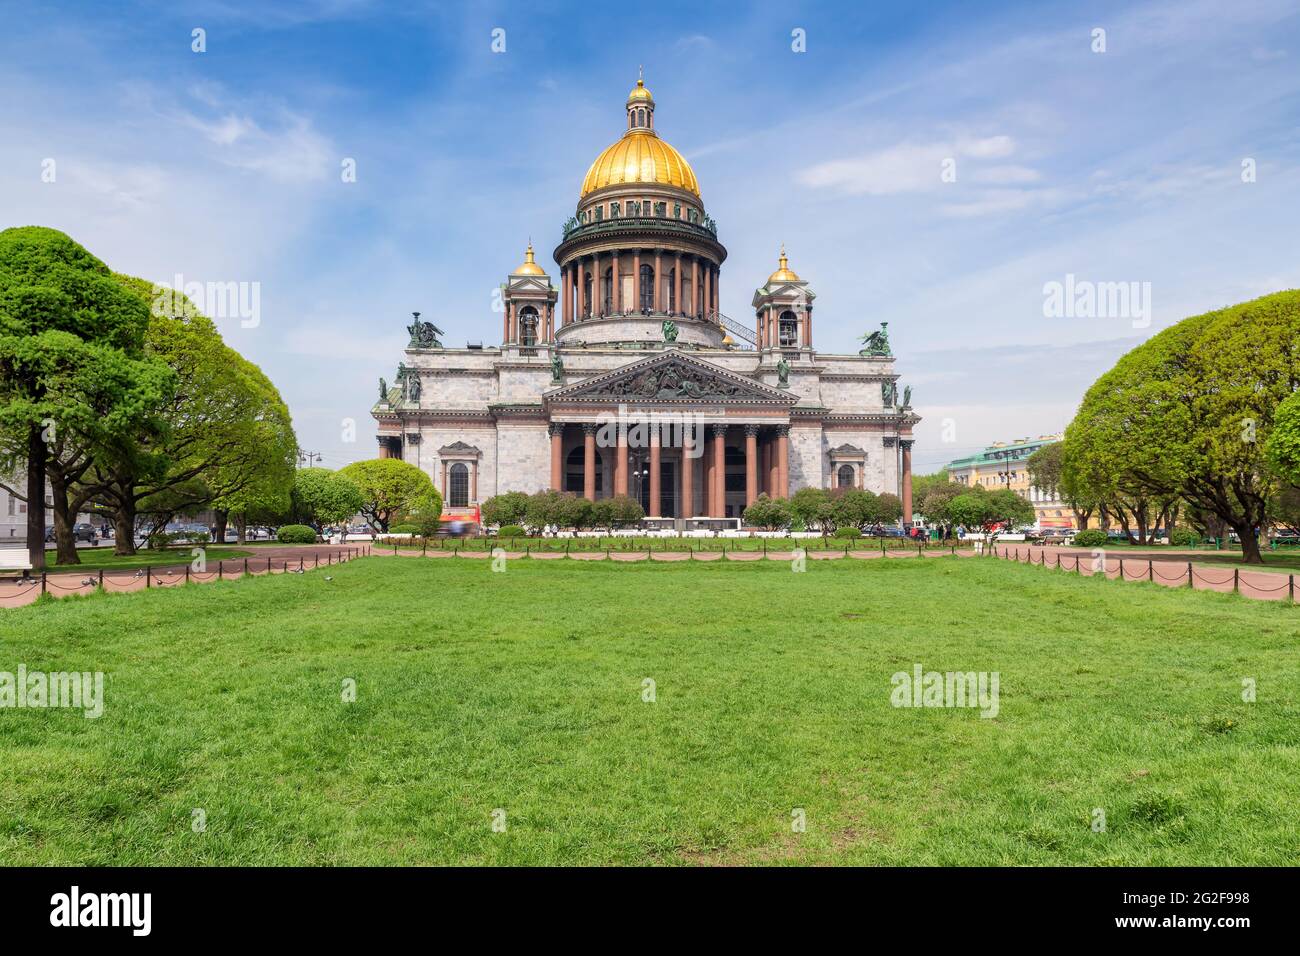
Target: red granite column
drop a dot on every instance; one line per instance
(751, 464)
(687, 508)
(505, 325)
(584, 297)
(677, 284)
(783, 462)
(654, 471)
(719, 509)
(620, 464)
(617, 279)
(807, 326)
(708, 289)
(907, 480)
(659, 281)
(557, 460)
(565, 303)
(773, 471)
(695, 287)
(589, 461)
(636, 280)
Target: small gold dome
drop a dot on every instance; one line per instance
(783, 273)
(639, 93)
(728, 340)
(640, 157)
(530, 266)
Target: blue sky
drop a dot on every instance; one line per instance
(1115, 166)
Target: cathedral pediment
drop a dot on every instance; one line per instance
(672, 377)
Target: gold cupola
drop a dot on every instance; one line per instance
(640, 156)
(530, 266)
(783, 273)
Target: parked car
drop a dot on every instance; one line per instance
(81, 531)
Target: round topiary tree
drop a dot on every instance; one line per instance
(295, 534)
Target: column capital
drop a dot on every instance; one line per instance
(907, 443)
(889, 441)
(555, 428)
(719, 431)
(751, 431)
(589, 428)
(783, 431)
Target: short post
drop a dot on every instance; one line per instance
(101, 579)
(148, 575)
(1290, 587)
(187, 574)
(220, 570)
(1236, 580)
(43, 591)
(300, 563)
(1190, 583)
(1121, 568)
(245, 567)
(1151, 571)
(268, 565)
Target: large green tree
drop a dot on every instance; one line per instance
(228, 434)
(1187, 415)
(323, 497)
(390, 487)
(63, 319)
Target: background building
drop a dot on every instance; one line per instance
(1003, 465)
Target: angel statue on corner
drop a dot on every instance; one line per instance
(424, 335)
(876, 343)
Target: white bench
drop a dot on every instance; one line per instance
(15, 559)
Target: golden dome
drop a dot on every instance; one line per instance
(640, 157)
(530, 266)
(639, 94)
(783, 273)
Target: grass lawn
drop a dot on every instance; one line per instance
(103, 557)
(522, 691)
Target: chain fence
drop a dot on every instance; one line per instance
(24, 589)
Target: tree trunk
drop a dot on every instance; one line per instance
(219, 519)
(241, 529)
(124, 527)
(63, 539)
(37, 453)
(1249, 545)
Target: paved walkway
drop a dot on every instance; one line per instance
(270, 559)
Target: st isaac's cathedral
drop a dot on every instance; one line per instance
(625, 378)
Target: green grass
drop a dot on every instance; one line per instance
(103, 557)
(523, 691)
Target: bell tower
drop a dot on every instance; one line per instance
(783, 310)
(529, 300)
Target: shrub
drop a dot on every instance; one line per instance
(770, 514)
(507, 509)
(296, 534)
(1092, 538)
(512, 531)
(847, 533)
(1184, 538)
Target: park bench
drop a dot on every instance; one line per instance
(15, 559)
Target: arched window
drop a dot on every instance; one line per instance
(672, 290)
(586, 293)
(789, 329)
(845, 476)
(647, 288)
(573, 471)
(458, 481)
(528, 326)
(607, 292)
